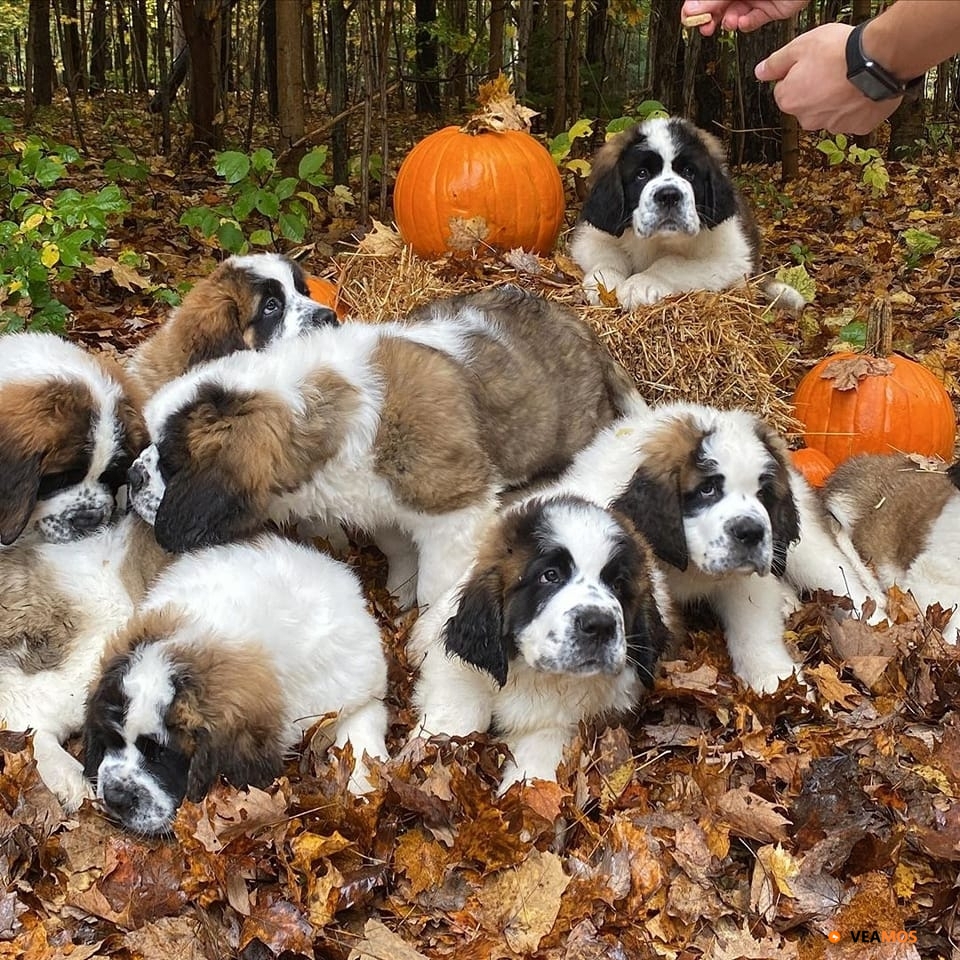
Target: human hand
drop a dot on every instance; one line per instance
(744, 15)
(811, 83)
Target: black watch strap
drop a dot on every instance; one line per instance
(872, 79)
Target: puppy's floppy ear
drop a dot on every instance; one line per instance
(653, 507)
(200, 509)
(105, 700)
(604, 206)
(475, 632)
(243, 759)
(19, 483)
(720, 196)
(648, 636)
(777, 498)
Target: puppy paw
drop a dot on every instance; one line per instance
(642, 289)
(768, 679)
(610, 280)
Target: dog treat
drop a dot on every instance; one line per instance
(698, 19)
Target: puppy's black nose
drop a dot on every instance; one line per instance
(668, 196)
(595, 627)
(747, 531)
(324, 317)
(136, 477)
(119, 799)
(88, 518)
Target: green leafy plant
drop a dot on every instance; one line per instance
(874, 172)
(646, 110)
(801, 253)
(262, 205)
(919, 244)
(45, 234)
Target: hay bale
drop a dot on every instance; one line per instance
(712, 348)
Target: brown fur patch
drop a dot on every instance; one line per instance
(895, 503)
(143, 560)
(212, 321)
(669, 454)
(515, 412)
(38, 624)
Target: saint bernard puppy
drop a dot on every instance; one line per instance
(662, 216)
(561, 618)
(71, 567)
(246, 303)
(733, 523)
(234, 653)
(904, 521)
(416, 426)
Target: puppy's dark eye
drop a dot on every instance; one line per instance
(53, 483)
(688, 171)
(709, 489)
(643, 174)
(550, 575)
(272, 306)
(151, 748)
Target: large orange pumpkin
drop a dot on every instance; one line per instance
(814, 465)
(486, 185)
(327, 293)
(875, 402)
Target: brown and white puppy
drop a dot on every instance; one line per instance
(246, 303)
(903, 520)
(418, 426)
(71, 566)
(733, 523)
(560, 619)
(663, 216)
(234, 653)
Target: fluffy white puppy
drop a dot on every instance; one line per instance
(71, 567)
(904, 521)
(662, 216)
(560, 619)
(734, 523)
(234, 653)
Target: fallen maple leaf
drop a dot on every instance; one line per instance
(749, 815)
(380, 241)
(523, 902)
(466, 233)
(831, 687)
(847, 373)
(381, 943)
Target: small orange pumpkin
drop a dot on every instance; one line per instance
(327, 293)
(814, 465)
(482, 186)
(875, 402)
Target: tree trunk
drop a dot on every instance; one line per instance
(704, 83)
(310, 75)
(497, 26)
(200, 20)
(336, 43)
(289, 59)
(138, 24)
(269, 13)
(74, 73)
(666, 54)
(756, 115)
(40, 55)
(457, 90)
(557, 31)
(524, 31)
(572, 56)
(907, 125)
(428, 85)
(790, 126)
(121, 34)
(595, 54)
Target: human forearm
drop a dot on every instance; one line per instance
(913, 35)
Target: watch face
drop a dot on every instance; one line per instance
(872, 84)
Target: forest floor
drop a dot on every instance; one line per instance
(715, 823)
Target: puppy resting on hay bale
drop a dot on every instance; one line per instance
(705, 347)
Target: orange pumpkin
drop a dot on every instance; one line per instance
(814, 465)
(327, 293)
(875, 402)
(486, 185)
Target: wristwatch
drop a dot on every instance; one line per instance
(873, 80)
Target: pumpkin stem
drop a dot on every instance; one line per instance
(498, 109)
(879, 336)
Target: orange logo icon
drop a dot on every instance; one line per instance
(834, 936)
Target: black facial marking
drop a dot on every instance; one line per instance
(271, 306)
(653, 506)
(105, 714)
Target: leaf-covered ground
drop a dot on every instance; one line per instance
(714, 823)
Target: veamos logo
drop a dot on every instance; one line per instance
(876, 936)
